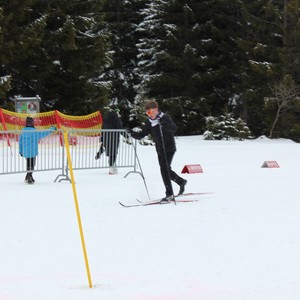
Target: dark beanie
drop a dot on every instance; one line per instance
(29, 122)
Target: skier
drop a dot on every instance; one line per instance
(162, 128)
(28, 145)
(109, 141)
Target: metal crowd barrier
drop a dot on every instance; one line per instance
(83, 145)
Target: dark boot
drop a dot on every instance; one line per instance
(167, 199)
(181, 182)
(182, 186)
(30, 178)
(27, 177)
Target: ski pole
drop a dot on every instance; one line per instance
(139, 163)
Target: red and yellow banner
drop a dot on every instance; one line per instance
(16, 121)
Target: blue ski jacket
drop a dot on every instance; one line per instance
(29, 140)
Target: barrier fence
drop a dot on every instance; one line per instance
(118, 150)
(15, 121)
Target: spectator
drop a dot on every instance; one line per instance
(28, 146)
(109, 141)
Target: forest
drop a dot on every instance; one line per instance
(212, 65)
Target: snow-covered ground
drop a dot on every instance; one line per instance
(240, 243)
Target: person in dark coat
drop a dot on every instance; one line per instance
(162, 129)
(28, 145)
(110, 140)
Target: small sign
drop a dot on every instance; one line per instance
(191, 169)
(270, 164)
(27, 105)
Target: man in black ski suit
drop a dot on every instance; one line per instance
(162, 128)
(110, 140)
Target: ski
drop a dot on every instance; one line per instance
(142, 204)
(178, 197)
(158, 201)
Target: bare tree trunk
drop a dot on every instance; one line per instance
(285, 93)
(275, 121)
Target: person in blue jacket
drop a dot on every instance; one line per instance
(28, 145)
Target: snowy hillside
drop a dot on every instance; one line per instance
(240, 243)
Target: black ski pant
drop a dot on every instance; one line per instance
(112, 158)
(111, 145)
(167, 173)
(30, 163)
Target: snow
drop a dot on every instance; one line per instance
(4, 79)
(57, 62)
(265, 63)
(241, 242)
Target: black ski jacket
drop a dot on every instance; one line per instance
(110, 140)
(168, 131)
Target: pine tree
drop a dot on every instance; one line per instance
(289, 123)
(291, 38)
(122, 20)
(261, 45)
(76, 46)
(188, 61)
(4, 79)
(226, 127)
(149, 29)
(21, 34)
(55, 48)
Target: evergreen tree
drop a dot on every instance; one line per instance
(291, 39)
(225, 127)
(261, 45)
(188, 60)
(197, 58)
(62, 49)
(76, 46)
(149, 45)
(289, 124)
(122, 18)
(21, 33)
(5, 85)
(4, 79)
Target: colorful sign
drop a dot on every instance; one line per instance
(27, 105)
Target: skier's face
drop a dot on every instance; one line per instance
(152, 113)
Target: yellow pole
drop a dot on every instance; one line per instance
(77, 209)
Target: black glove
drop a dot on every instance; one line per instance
(128, 131)
(132, 133)
(98, 154)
